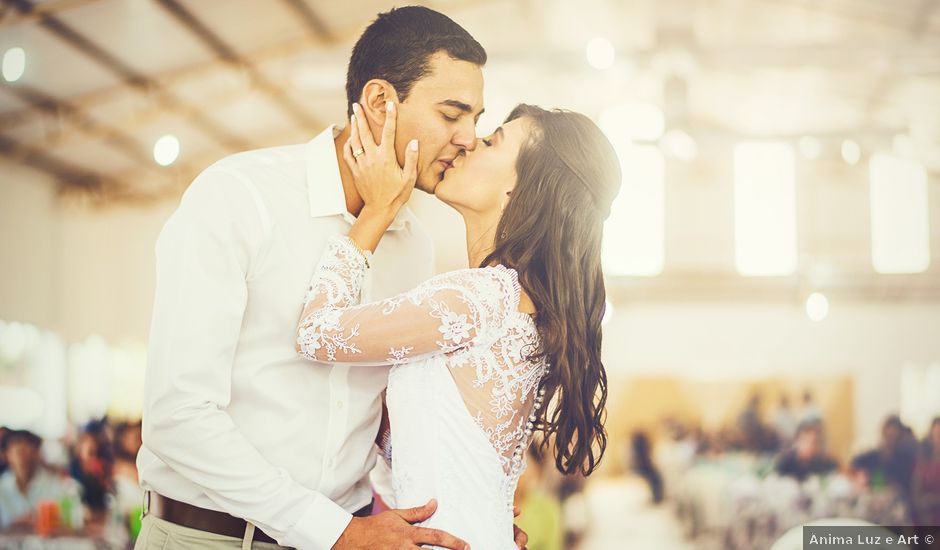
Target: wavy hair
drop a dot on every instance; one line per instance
(550, 232)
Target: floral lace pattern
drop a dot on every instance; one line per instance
(509, 377)
(469, 316)
(339, 280)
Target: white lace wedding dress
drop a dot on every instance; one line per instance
(461, 393)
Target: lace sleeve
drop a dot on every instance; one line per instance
(446, 313)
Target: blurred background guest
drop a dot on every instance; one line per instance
(127, 491)
(642, 464)
(785, 422)
(808, 455)
(809, 410)
(891, 465)
(755, 434)
(926, 484)
(92, 466)
(27, 483)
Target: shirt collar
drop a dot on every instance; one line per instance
(324, 185)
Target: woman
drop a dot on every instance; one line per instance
(480, 352)
(92, 466)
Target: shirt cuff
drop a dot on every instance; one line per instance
(319, 527)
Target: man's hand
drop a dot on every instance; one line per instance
(393, 530)
(520, 537)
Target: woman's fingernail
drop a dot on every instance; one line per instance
(413, 145)
(390, 106)
(352, 118)
(355, 107)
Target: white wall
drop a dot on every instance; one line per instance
(29, 246)
(72, 268)
(107, 259)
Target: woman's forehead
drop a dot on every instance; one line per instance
(518, 129)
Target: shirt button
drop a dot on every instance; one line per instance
(332, 463)
(339, 404)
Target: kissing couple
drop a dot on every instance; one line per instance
(299, 332)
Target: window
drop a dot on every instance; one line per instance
(900, 231)
(764, 209)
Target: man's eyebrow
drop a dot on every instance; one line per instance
(457, 104)
(463, 107)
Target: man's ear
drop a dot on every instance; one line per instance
(375, 94)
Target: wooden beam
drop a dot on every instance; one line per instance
(67, 174)
(12, 16)
(131, 76)
(314, 23)
(227, 54)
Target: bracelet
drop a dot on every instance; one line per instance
(363, 253)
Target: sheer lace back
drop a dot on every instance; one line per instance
(469, 316)
(498, 384)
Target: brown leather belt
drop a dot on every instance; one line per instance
(211, 521)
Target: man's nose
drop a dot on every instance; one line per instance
(466, 137)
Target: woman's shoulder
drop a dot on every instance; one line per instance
(498, 285)
(505, 278)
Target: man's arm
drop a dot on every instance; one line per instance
(204, 255)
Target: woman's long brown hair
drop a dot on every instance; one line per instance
(550, 233)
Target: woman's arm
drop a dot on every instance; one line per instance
(443, 314)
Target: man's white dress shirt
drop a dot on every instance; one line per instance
(234, 420)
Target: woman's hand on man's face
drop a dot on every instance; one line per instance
(383, 185)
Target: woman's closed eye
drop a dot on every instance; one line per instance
(490, 141)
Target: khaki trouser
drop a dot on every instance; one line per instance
(158, 534)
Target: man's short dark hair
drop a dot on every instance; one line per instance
(12, 436)
(398, 45)
(812, 425)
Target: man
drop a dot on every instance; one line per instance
(808, 455)
(892, 463)
(27, 482)
(236, 426)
